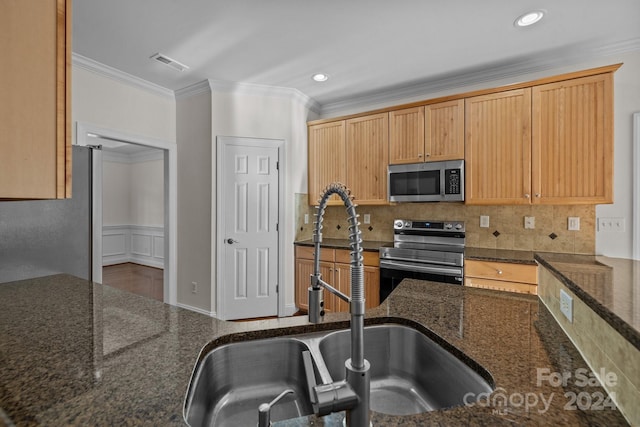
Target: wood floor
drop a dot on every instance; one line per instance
(135, 278)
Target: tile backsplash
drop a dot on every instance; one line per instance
(506, 224)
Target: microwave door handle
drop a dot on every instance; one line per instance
(442, 183)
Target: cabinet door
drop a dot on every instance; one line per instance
(35, 81)
(498, 148)
(326, 158)
(367, 146)
(372, 286)
(342, 275)
(406, 136)
(444, 138)
(304, 270)
(572, 141)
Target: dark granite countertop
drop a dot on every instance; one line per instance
(77, 353)
(609, 286)
(499, 255)
(367, 245)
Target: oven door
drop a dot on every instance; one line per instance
(392, 272)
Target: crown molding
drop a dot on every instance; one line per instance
(120, 76)
(193, 90)
(511, 69)
(265, 90)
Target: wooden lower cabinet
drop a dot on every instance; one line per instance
(501, 276)
(337, 273)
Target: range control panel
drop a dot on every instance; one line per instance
(408, 225)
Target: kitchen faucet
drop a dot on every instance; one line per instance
(351, 394)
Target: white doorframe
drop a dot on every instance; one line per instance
(87, 134)
(216, 225)
(636, 187)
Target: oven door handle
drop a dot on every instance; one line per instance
(411, 262)
(394, 265)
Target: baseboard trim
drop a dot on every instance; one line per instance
(196, 309)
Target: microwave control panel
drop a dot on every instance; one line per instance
(452, 181)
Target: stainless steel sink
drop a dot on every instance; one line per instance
(231, 381)
(410, 373)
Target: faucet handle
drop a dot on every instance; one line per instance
(311, 378)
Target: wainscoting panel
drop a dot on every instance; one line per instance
(133, 243)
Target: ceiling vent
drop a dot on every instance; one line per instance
(169, 62)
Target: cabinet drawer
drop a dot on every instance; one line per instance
(372, 259)
(501, 285)
(523, 273)
(306, 252)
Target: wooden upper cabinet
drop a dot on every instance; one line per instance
(427, 133)
(444, 138)
(572, 140)
(35, 135)
(406, 136)
(367, 145)
(498, 148)
(326, 158)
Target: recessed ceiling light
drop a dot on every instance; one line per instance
(320, 77)
(529, 18)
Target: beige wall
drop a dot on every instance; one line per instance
(193, 125)
(111, 104)
(133, 193)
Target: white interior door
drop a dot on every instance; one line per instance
(249, 228)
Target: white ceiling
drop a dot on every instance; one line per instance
(366, 46)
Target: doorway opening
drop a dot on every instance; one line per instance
(155, 245)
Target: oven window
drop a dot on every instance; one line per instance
(415, 183)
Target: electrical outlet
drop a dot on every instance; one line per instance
(573, 223)
(367, 218)
(194, 287)
(306, 218)
(611, 224)
(530, 222)
(484, 221)
(566, 305)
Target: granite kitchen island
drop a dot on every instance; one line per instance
(77, 353)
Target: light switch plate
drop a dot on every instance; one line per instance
(573, 223)
(306, 218)
(484, 221)
(367, 218)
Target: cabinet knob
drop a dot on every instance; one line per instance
(538, 195)
(499, 271)
(420, 155)
(526, 196)
(428, 155)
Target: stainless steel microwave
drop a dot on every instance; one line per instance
(427, 182)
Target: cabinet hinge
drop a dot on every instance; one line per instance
(277, 289)
(277, 227)
(277, 165)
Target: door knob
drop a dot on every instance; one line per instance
(231, 241)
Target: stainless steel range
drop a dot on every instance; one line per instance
(426, 250)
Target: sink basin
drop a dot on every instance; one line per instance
(410, 373)
(232, 380)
